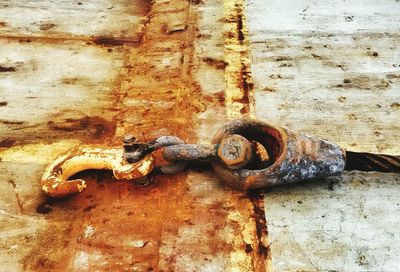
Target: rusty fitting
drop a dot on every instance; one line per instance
(235, 151)
(135, 151)
(55, 180)
(293, 156)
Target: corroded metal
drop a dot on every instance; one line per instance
(294, 157)
(135, 151)
(235, 151)
(372, 162)
(55, 181)
(235, 154)
(190, 152)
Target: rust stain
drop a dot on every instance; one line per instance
(117, 226)
(392, 76)
(5, 69)
(372, 53)
(106, 41)
(262, 255)
(364, 83)
(44, 207)
(71, 80)
(217, 99)
(239, 95)
(130, 212)
(8, 142)
(239, 23)
(281, 58)
(128, 221)
(246, 85)
(65, 124)
(240, 90)
(11, 122)
(197, 2)
(111, 41)
(220, 96)
(46, 26)
(218, 64)
(49, 35)
(395, 105)
(92, 128)
(17, 197)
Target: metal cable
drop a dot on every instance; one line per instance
(372, 162)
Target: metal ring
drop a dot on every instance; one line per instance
(294, 156)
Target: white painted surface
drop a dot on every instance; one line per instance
(336, 16)
(339, 225)
(44, 73)
(60, 19)
(316, 71)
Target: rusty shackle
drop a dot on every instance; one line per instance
(246, 154)
(292, 156)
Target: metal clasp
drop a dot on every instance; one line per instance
(55, 181)
(292, 156)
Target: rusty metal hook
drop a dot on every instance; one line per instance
(55, 181)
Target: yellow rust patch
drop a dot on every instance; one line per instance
(82, 186)
(183, 223)
(145, 166)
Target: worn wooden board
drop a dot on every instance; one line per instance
(331, 69)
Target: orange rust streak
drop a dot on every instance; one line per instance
(154, 95)
(62, 38)
(119, 212)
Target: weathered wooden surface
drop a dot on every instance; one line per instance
(331, 69)
(88, 72)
